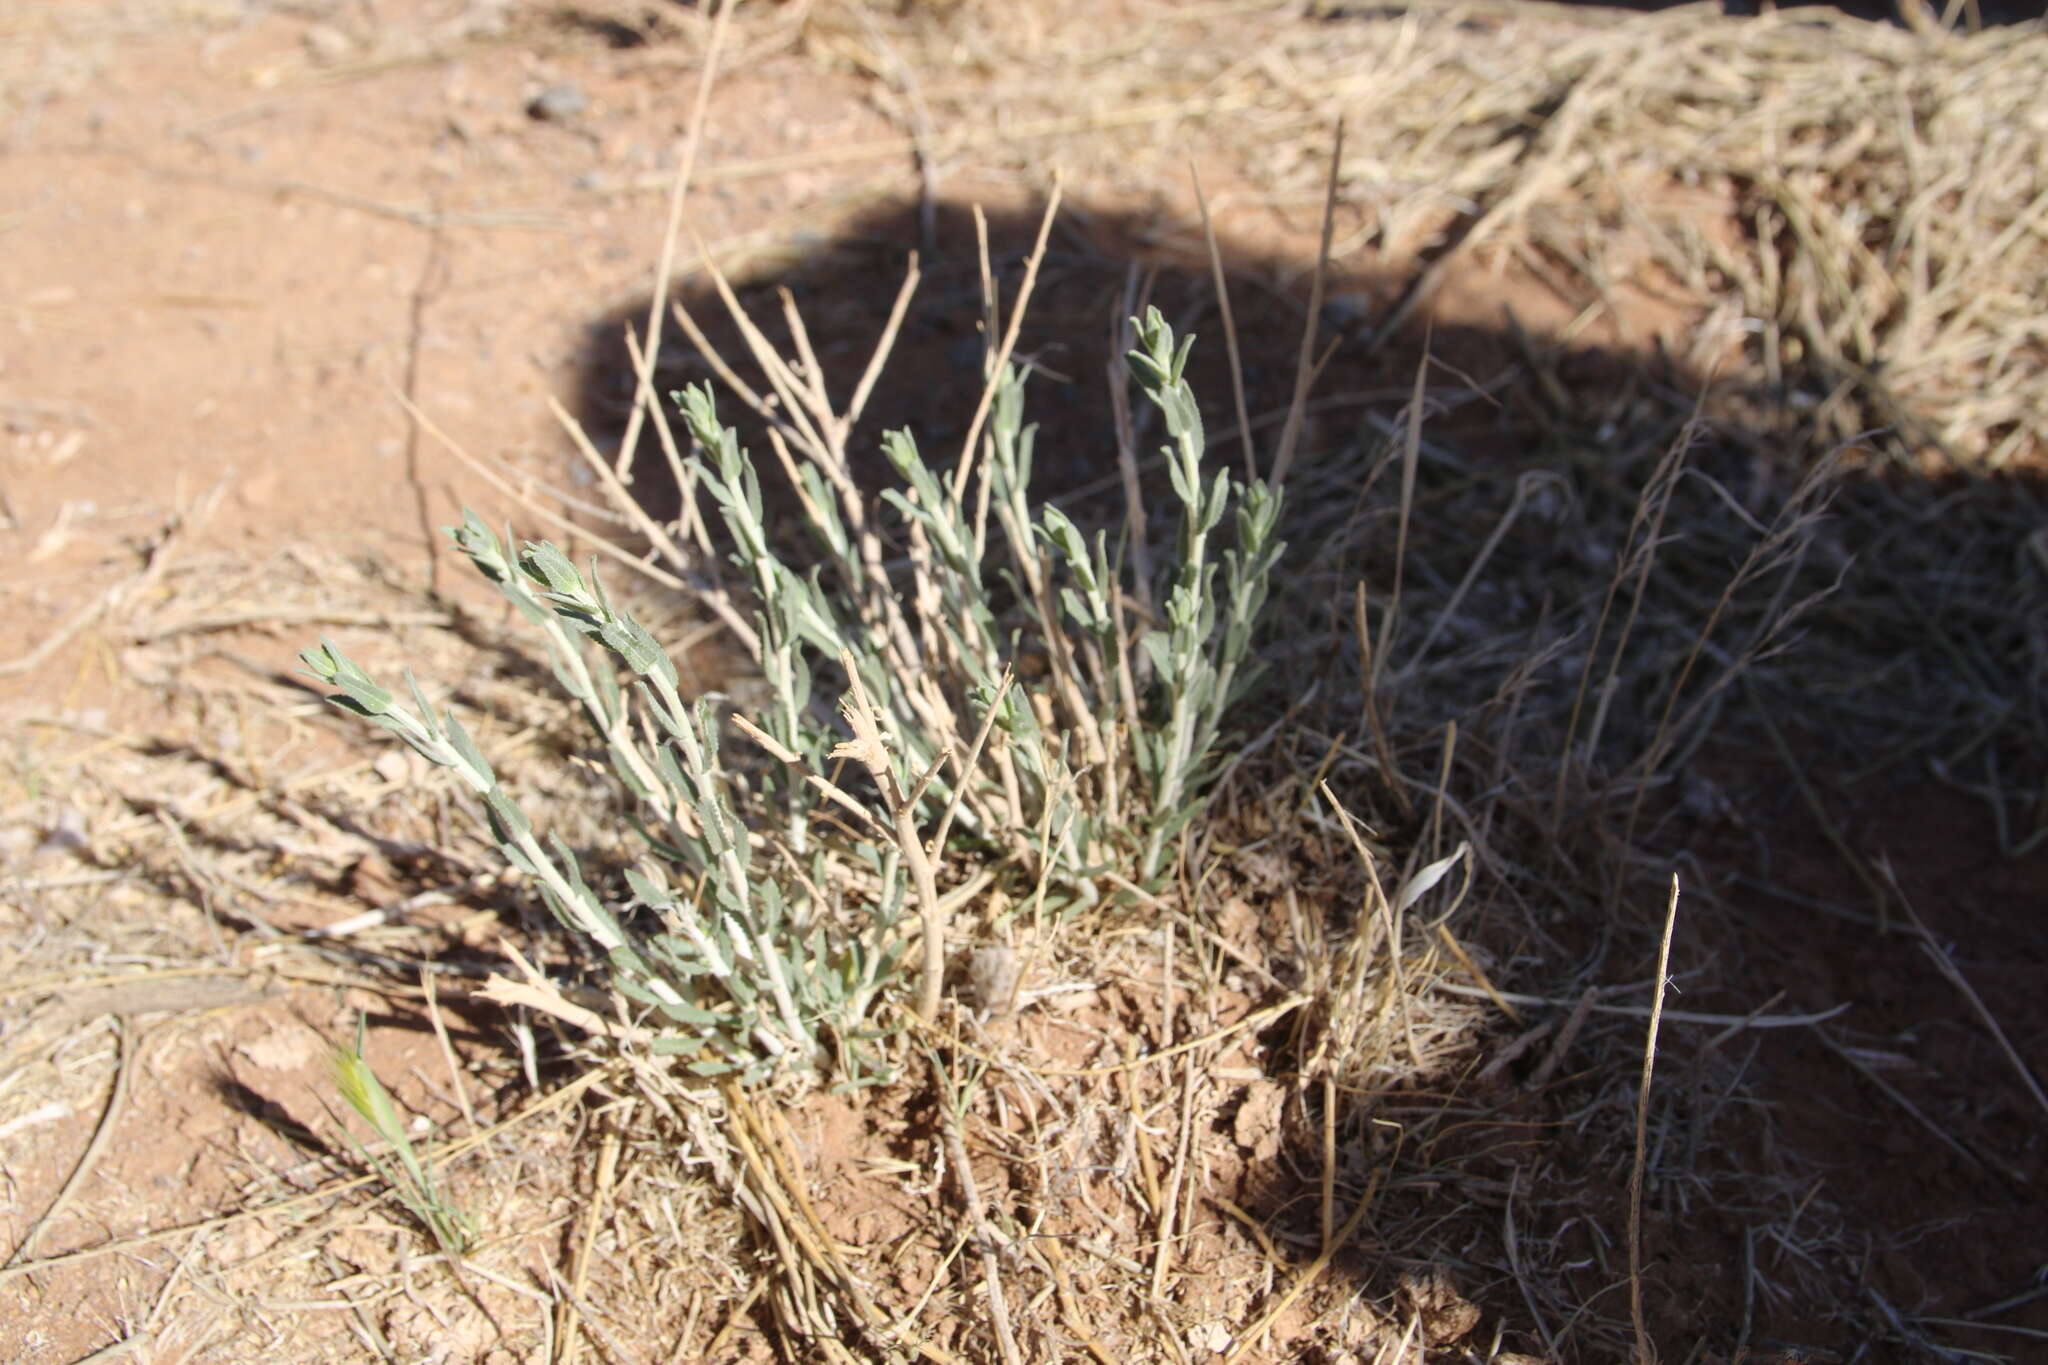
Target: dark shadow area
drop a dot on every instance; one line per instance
(1798, 699)
(245, 1099)
(1100, 267)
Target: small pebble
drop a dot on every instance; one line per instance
(558, 102)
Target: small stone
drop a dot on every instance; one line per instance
(558, 102)
(992, 978)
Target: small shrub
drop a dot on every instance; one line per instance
(780, 930)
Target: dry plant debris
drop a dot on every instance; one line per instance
(1873, 198)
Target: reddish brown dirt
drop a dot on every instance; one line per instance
(1943, 1226)
(232, 243)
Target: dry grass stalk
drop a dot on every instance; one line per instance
(1645, 1353)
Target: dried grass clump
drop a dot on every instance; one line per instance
(1889, 188)
(1896, 195)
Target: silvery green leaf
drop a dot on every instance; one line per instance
(572, 866)
(477, 768)
(1218, 501)
(1188, 492)
(811, 613)
(514, 854)
(901, 448)
(670, 725)
(801, 688)
(624, 960)
(1260, 510)
(508, 822)
(695, 1016)
(330, 665)
(648, 890)
(711, 819)
(553, 570)
(1058, 530)
(1077, 610)
(638, 993)
(422, 707)
(636, 648)
(903, 452)
(1008, 413)
(1150, 374)
(705, 717)
(687, 969)
(750, 488)
(475, 539)
(1148, 745)
(319, 662)
(598, 593)
(700, 412)
(1152, 363)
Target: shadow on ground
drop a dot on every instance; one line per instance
(1884, 1167)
